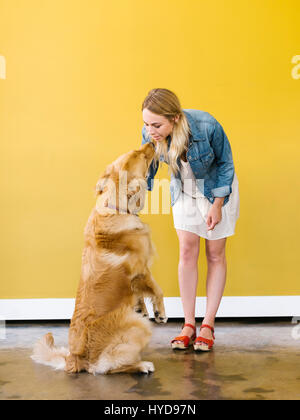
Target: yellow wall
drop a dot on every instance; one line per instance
(73, 75)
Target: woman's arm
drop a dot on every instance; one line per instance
(225, 174)
(218, 201)
(225, 166)
(214, 215)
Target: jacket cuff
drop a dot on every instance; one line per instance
(149, 183)
(221, 191)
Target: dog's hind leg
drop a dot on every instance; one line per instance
(141, 367)
(75, 364)
(123, 354)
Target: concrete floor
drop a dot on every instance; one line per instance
(252, 359)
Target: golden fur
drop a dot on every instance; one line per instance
(106, 334)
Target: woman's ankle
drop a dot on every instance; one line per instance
(209, 321)
(192, 322)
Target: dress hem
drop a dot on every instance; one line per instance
(204, 237)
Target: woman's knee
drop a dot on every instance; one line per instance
(215, 258)
(188, 246)
(189, 252)
(215, 251)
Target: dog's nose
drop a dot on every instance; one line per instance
(150, 149)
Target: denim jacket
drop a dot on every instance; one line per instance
(209, 154)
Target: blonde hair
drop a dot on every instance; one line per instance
(166, 103)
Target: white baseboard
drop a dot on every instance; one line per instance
(231, 306)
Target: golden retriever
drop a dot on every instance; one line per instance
(109, 329)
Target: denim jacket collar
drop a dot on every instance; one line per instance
(195, 133)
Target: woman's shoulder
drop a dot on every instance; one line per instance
(200, 116)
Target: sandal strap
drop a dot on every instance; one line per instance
(208, 326)
(204, 340)
(183, 338)
(191, 326)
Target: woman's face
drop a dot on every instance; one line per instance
(157, 126)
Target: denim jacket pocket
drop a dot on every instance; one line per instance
(200, 138)
(207, 159)
(193, 153)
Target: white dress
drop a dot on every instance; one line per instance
(191, 208)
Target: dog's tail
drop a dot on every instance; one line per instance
(46, 353)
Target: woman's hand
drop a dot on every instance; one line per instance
(214, 215)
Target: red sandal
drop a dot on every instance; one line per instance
(204, 344)
(185, 340)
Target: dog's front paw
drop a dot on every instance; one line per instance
(146, 367)
(160, 318)
(144, 312)
(140, 308)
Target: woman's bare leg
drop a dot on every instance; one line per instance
(215, 281)
(189, 245)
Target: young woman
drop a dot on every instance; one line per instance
(204, 199)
